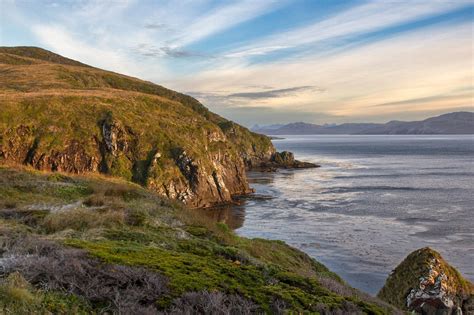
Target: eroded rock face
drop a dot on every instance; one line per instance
(25, 146)
(209, 184)
(199, 181)
(73, 159)
(433, 291)
(113, 134)
(426, 284)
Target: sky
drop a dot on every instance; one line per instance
(265, 62)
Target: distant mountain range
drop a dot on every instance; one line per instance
(452, 123)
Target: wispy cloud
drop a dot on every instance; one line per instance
(179, 32)
(369, 17)
(224, 17)
(459, 99)
(417, 65)
(275, 93)
(148, 50)
(155, 26)
(62, 42)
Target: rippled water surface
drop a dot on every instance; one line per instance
(374, 200)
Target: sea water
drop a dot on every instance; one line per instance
(373, 201)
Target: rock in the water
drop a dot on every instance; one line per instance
(425, 283)
(278, 160)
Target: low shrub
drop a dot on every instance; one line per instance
(137, 217)
(213, 303)
(108, 287)
(82, 219)
(94, 201)
(126, 192)
(15, 294)
(10, 204)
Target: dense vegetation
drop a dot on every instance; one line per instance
(92, 244)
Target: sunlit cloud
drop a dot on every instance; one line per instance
(425, 66)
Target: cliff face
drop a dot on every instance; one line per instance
(60, 115)
(425, 283)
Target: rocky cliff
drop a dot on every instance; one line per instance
(61, 115)
(425, 283)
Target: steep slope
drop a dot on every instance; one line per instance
(426, 284)
(61, 115)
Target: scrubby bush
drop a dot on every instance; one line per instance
(94, 201)
(82, 219)
(213, 303)
(137, 217)
(122, 289)
(335, 286)
(10, 204)
(14, 290)
(346, 308)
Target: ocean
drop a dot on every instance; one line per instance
(373, 201)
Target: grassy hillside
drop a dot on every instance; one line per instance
(59, 114)
(75, 244)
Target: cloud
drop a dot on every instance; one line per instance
(368, 17)
(224, 17)
(275, 93)
(463, 98)
(64, 43)
(148, 50)
(155, 26)
(421, 65)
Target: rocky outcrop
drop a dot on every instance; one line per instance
(286, 159)
(279, 160)
(425, 283)
(22, 144)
